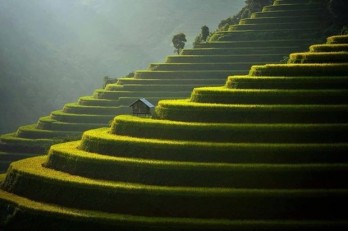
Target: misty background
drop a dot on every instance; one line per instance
(54, 51)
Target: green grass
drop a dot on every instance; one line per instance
(66, 158)
(300, 70)
(171, 81)
(277, 25)
(283, 33)
(75, 108)
(329, 48)
(256, 43)
(273, 20)
(235, 58)
(287, 13)
(192, 65)
(183, 110)
(145, 74)
(47, 215)
(50, 186)
(101, 141)
(158, 87)
(82, 118)
(239, 51)
(225, 132)
(32, 132)
(294, 7)
(280, 2)
(319, 57)
(12, 143)
(285, 82)
(268, 96)
(104, 94)
(124, 102)
(92, 101)
(46, 123)
(338, 39)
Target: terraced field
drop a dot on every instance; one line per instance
(266, 151)
(263, 38)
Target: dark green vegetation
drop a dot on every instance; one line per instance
(266, 151)
(179, 41)
(266, 37)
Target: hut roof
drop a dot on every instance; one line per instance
(145, 101)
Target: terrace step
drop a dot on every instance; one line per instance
(12, 143)
(69, 159)
(228, 132)
(183, 110)
(46, 123)
(338, 39)
(261, 42)
(75, 108)
(294, 7)
(284, 13)
(329, 48)
(61, 116)
(50, 186)
(126, 81)
(319, 57)
(113, 221)
(105, 94)
(172, 66)
(280, 2)
(223, 95)
(121, 102)
(283, 33)
(292, 19)
(154, 87)
(92, 101)
(102, 142)
(325, 69)
(31, 132)
(277, 25)
(285, 82)
(145, 74)
(212, 60)
(241, 51)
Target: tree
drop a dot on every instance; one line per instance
(179, 42)
(202, 37)
(204, 33)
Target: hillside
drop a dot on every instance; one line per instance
(266, 37)
(266, 151)
(263, 147)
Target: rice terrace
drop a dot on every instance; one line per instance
(249, 132)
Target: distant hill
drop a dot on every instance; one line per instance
(51, 52)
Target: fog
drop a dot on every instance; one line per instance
(53, 51)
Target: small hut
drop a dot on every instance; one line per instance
(142, 107)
